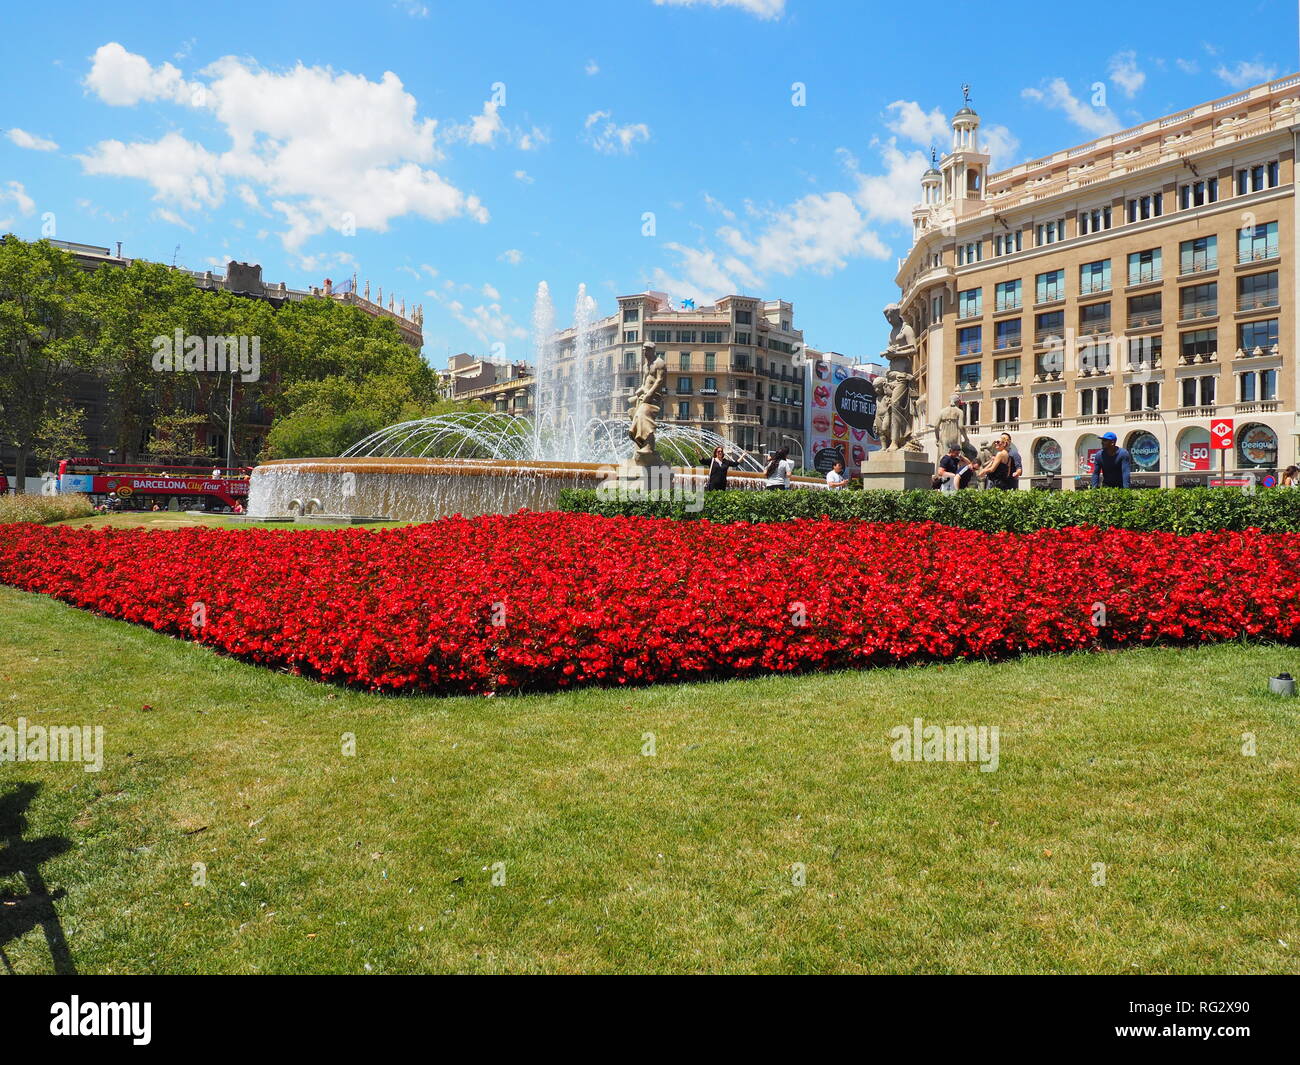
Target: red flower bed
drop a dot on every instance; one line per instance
(541, 601)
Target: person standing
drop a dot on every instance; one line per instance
(997, 471)
(779, 467)
(1017, 465)
(718, 468)
(835, 477)
(1113, 464)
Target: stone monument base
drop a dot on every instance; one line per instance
(645, 473)
(897, 470)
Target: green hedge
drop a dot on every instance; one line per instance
(1178, 510)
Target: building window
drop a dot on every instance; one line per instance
(968, 375)
(1006, 245)
(1255, 243)
(1257, 291)
(972, 252)
(742, 338)
(1094, 356)
(1144, 396)
(1199, 254)
(1198, 301)
(1049, 232)
(1197, 343)
(1006, 334)
(629, 360)
(1049, 286)
(1006, 296)
(1094, 221)
(1140, 208)
(686, 336)
(683, 386)
(713, 336)
(708, 412)
(661, 336)
(684, 360)
(970, 341)
(1144, 266)
(1261, 336)
(683, 412)
(744, 318)
(1094, 277)
(968, 302)
(1095, 318)
(1144, 352)
(631, 314)
(1094, 401)
(1049, 326)
(1198, 193)
(629, 336)
(1144, 311)
(936, 308)
(1258, 178)
(1006, 371)
(1006, 410)
(973, 413)
(1048, 405)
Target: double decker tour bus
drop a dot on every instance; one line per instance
(139, 485)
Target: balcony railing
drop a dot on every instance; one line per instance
(1143, 319)
(1008, 305)
(1194, 312)
(1144, 277)
(1187, 358)
(1198, 264)
(1257, 351)
(1257, 301)
(1257, 254)
(1007, 340)
(1048, 336)
(1091, 288)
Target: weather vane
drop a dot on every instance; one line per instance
(934, 158)
(965, 93)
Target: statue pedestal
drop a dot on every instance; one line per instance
(897, 470)
(645, 473)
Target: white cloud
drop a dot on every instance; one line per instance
(488, 322)
(482, 129)
(165, 215)
(1097, 121)
(523, 175)
(123, 79)
(889, 197)
(1188, 66)
(908, 119)
(720, 207)
(606, 136)
(1246, 73)
(513, 256)
(592, 67)
(326, 150)
(1001, 146)
(490, 292)
(764, 9)
(533, 139)
(30, 140)
(1124, 72)
(15, 191)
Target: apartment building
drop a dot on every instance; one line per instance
(1142, 283)
(734, 366)
(506, 386)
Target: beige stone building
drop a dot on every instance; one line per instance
(735, 366)
(506, 386)
(1142, 284)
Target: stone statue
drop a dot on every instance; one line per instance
(896, 392)
(950, 430)
(645, 406)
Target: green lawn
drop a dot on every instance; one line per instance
(681, 862)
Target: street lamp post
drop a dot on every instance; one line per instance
(793, 440)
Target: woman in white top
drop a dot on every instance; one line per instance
(779, 468)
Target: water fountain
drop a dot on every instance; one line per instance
(492, 462)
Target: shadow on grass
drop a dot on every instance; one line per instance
(19, 914)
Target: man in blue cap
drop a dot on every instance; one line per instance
(1112, 465)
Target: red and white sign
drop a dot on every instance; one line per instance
(1221, 434)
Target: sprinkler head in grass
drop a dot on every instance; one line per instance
(1282, 684)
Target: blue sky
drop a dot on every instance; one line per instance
(457, 154)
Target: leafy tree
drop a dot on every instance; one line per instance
(43, 339)
(62, 434)
(175, 437)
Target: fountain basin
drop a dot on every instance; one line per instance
(422, 489)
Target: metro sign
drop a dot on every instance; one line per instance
(1221, 434)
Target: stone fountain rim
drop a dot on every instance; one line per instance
(479, 467)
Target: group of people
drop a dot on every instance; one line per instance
(998, 467)
(776, 474)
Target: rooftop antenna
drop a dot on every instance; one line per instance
(119, 249)
(174, 254)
